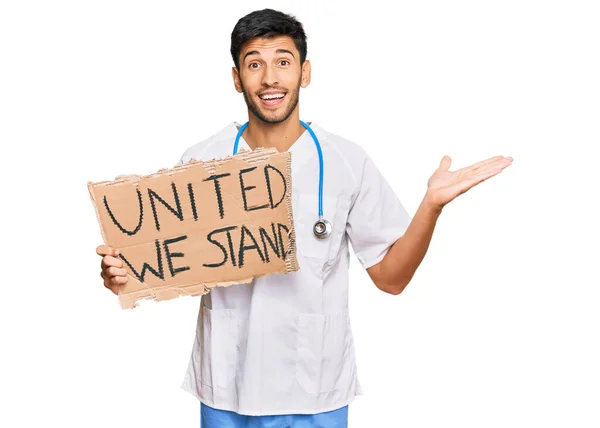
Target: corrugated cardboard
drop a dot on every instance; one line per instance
(185, 230)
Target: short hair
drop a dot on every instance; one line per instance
(266, 23)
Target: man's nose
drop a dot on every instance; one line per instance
(270, 76)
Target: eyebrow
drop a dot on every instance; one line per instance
(279, 51)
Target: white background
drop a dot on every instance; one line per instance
(500, 325)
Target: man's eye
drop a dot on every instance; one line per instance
(253, 65)
(284, 62)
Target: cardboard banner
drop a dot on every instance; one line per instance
(185, 230)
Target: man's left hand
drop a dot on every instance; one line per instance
(445, 185)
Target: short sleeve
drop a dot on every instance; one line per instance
(197, 151)
(185, 157)
(376, 219)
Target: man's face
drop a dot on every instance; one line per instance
(270, 77)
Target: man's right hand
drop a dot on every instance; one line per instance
(112, 268)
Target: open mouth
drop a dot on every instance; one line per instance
(272, 98)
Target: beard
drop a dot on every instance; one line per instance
(294, 97)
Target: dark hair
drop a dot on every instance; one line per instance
(267, 23)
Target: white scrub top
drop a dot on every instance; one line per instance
(283, 344)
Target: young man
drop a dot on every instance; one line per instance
(279, 351)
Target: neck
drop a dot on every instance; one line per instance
(279, 135)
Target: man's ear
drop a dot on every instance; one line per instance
(305, 74)
(236, 79)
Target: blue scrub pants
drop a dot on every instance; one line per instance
(214, 418)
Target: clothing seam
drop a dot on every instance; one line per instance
(334, 147)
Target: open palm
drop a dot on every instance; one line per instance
(445, 185)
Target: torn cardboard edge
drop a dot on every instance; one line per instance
(257, 157)
(130, 300)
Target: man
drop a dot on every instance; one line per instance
(279, 351)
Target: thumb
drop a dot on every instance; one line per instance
(445, 163)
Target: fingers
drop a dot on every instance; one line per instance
(110, 261)
(112, 271)
(105, 250)
(478, 165)
(114, 279)
(484, 165)
(113, 282)
(108, 283)
(484, 175)
(117, 275)
(487, 169)
(115, 271)
(499, 164)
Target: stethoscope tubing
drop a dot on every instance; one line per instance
(319, 151)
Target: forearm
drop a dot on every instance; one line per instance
(400, 263)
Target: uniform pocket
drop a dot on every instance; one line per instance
(218, 345)
(325, 352)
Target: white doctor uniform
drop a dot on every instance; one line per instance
(283, 344)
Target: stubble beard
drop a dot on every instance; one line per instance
(255, 109)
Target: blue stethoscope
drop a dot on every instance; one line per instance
(322, 228)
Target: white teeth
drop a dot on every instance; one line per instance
(272, 96)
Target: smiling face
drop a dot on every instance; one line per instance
(270, 77)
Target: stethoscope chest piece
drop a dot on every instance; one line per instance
(322, 229)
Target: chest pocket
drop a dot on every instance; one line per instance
(306, 209)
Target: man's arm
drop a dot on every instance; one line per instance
(394, 272)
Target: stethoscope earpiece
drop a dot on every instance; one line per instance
(322, 229)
